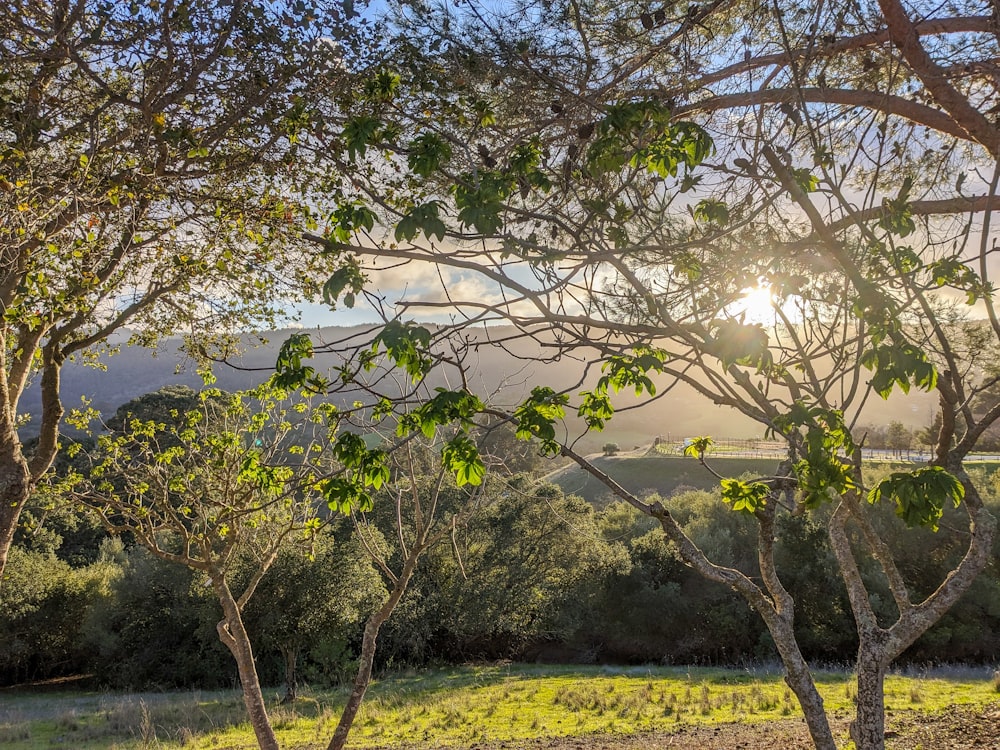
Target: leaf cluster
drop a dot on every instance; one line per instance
(619, 372)
(919, 495)
(824, 443)
(537, 415)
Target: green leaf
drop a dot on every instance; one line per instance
(919, 495)
(901, 364)
(349, 218)
(426, 218)
(485, 116)
(446, 407)
(607, 154)
(426, 154)
(698, 447)
(364, 467)
(383, 85)
(630, 371)
(461, 456)
(350, 449)
(290, 370)
(348, 276)
(711, 211)
(896, 215)
(595, 409)
(526, 157)
(343, 496)
(805, 179)
(358, 133)
(737, 343)
(407, 345)
(821, 469)
(954, 273)
(479, 199)
(683, 143)
(745, 497)
(537, 417)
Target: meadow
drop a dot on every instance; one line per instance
(459, 707)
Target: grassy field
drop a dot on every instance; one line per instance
(458, 707)
(665, 471)
(657, 472)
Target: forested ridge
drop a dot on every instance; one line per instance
(137, 370)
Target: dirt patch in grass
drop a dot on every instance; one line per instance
(957, 728)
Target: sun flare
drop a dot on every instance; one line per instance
(756, 305)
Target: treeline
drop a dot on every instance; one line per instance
(533, 574)
(895, 436)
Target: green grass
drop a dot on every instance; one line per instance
(660, 473)
(664, 471)
(457, 707)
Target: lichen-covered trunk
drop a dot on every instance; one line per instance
(779, 621)
(799, 679)
(18, 475)
(778, 613)
(15, 489)
(234, 636)
(360, 686)
(868, 727)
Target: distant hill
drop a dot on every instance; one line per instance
(508, 373)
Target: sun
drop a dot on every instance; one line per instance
(756, 305)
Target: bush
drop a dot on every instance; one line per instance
(157, 629)
(43, 604)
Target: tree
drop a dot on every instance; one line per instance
(929, 435)
(314, 602)
(617, 178)
(898, 438)
(220, 485)
(519, 579)
(155, 628)
(426, 507)
(43, 610)
(149, 177)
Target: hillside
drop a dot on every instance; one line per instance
(507, 373)
(657, 473)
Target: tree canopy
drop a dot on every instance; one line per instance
(613, 180)
(149, 179)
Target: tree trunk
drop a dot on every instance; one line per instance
(368, 643)
(780, 623)
(868, 727)
(234, 636)
(17, 475)
(361, 680)
(799, 680)
(15, 489)
(290, 654)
